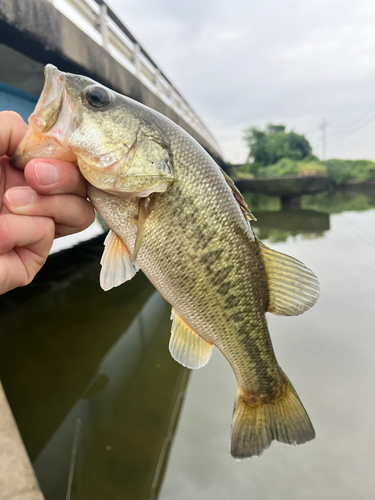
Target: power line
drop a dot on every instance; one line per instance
(356, 129)
(323, 127)
(354, 124)
(365, 89)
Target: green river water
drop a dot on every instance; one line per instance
(107, 414)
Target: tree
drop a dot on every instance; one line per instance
(271, 145)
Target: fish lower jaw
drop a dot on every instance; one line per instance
(36, 145)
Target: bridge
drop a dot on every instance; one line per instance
(84, 37)
(289, 189)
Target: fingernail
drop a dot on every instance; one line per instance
(20, 196)
(46, 173)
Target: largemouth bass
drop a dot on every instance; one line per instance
(173, 213)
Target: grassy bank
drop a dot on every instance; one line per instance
(340, 171)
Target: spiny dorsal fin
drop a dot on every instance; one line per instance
(186, 346)
(117, 266)
(239, 198)
(293, 288)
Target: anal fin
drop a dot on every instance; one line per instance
(186, 346)
(117, 266)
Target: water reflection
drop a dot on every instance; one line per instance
(277, 226)
(97, 395)
(361, 197)
(276, 223)
(328, 353)
(336, 202)
(90, 379)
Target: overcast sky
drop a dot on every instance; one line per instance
(249, 63)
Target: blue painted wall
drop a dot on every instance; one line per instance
(17, 100)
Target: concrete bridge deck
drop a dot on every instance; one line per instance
(86, 37)
(286, 187)
(289, 189)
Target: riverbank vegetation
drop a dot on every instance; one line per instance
(273, 152)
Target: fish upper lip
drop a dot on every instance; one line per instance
(51, 80)
(49, 104)
(48, 70)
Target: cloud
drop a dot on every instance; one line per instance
(242, 63)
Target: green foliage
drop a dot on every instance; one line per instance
(335, 202)
(339, 170)
(272, 235)
(243, 172)
(269, 146)
(363, 170)
(287, 167)
(311, 158)
(311, 168)
(331, 202)
(280, 169)
(277, 153)
(258, 202)
(344, 171)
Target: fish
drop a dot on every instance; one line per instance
(174, 214)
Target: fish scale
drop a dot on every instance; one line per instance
(174, 214)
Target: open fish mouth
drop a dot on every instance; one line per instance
(50, 102)
(49, 124)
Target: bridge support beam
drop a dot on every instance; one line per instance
(291, 202)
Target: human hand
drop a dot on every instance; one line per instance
(46, 200)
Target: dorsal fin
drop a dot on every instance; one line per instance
(186, 346)
(293, 287)
(238, 196)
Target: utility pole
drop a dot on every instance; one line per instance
(323, 129)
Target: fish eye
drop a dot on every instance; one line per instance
(98, 97)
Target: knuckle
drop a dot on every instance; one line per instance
(86, 216)
(11, 116)
(44, 226)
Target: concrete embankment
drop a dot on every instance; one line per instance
(17, 479)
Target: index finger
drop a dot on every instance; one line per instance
(12, 130)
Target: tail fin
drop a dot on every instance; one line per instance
(255, 426)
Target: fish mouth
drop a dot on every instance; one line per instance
(50, 102)
(44, 139)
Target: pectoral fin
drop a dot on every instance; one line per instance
(117, 266)
(144, 211)
(293, 288)
(186, 346)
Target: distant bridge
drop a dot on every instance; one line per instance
(84, 37)
(289, 189)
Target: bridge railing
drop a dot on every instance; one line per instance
(98, 21)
